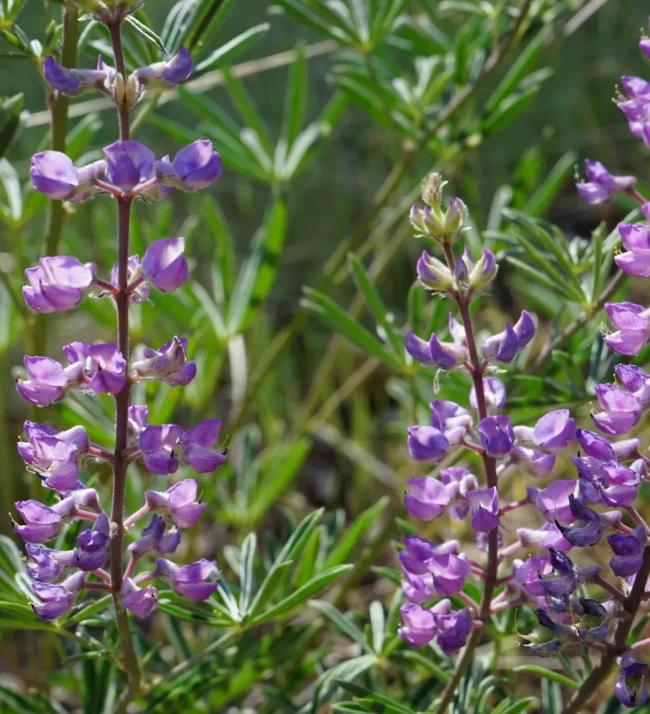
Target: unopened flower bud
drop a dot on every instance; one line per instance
(432, 189)
(434, 274)
(131, 90)
(456, 216)
(118, 88)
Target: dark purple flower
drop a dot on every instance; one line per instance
(484, 505)
(427, 444)
(417, 348)
(72, 82)
(190, 581)
(168, 363)
(164, 264)
(155, 537)
(92, 552)
(497, 436)
(140, 601)
(453, 627)
(636, 241)
(427, 498)
(57, 599)
(504, 346)
(590, 525)
(446, 355)
(631, 696)
(451, 419)
(527, 574)
(621, 410)
(58, 283)
(196, 446)
(566, 576)
(419, 625)
(129, 163)
(163, 75)
(194, 167)
(553, 501)
(178, 503)
(159, 444)
(495, 395)
(628, 552)
(632, 324)
(601, 186)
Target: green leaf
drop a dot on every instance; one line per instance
(287, 463)
(550, 187)
(295, 100)
(248, 111)
(508, 110)
(146, 32)
(344, 623)
(355, 534)
(337, 319)
(519, 69)
(230, 50)
(413, 657)
(257, 276)
(211, 311)
(247, 573)
(269, 586)
(9, 121)
(388, 704)
(547, 674)
(321, 581)
(365, 285)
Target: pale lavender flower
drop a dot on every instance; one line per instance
(58, 283)
(56, 599)
(134, 271)
(458, 482)
(155, 537)
(552, 433)
(497, 436)
(495, 395)
(484, 505)
(419, 626)
(106, 368)
(636, 241)
(621, 410)
(169, 363)
(190, 581)
(527, 574)
(140, 601)
(601, 185)
(170, 73)
(164, 264)
(427, 498)
(548, 536)
(196, 446)
(129, 164)
(159, 447)
(194, 167)
(72, 82)
(178, 503)
(426, 443)
(451, 419)
(54, 175)
(632, 324)
(553, 501)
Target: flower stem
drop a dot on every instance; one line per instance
(490, 466)
(630, 606)
(130, 658)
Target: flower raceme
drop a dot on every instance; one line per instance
(129, 170)
(572, 514)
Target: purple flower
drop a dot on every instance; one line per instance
(196, 446)
(138, 420)
(630, 689)
(190, 581)
(57, 284)
(632, 324)
(458, 482)
(636, 241)
(441, 566)
(170, 73)
(608, 482)
(553, 501)
(433, 274)
(453, 627)
(446, 355)
(495, 395)
(92, 551)
(54, 175)
(553, 432)
(54, 455)
(566, 576)
(527, 574)
(601, 186)
(628, 552)
(504, 346)
(427, 499)
(497, 436)
(540, 463)
(72, 82)
(473, 275)
(47, 565)
(57, 599)
(484, 505)
(168, 363)
(164, 264)
(590, 525)
(154, 537)
(450, 418)
(548, 536)
(41, 522)
(194, 167)
(598, 448)
(426, 443)
(159, 446)
(140, 601)
(106, 368)
(134, 272)
(621, 410)
(129, 163)
(178, 503)
(419, 625)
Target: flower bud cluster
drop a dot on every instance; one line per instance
(129, 170)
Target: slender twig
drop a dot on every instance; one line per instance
(599, 673)
(130, 658)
